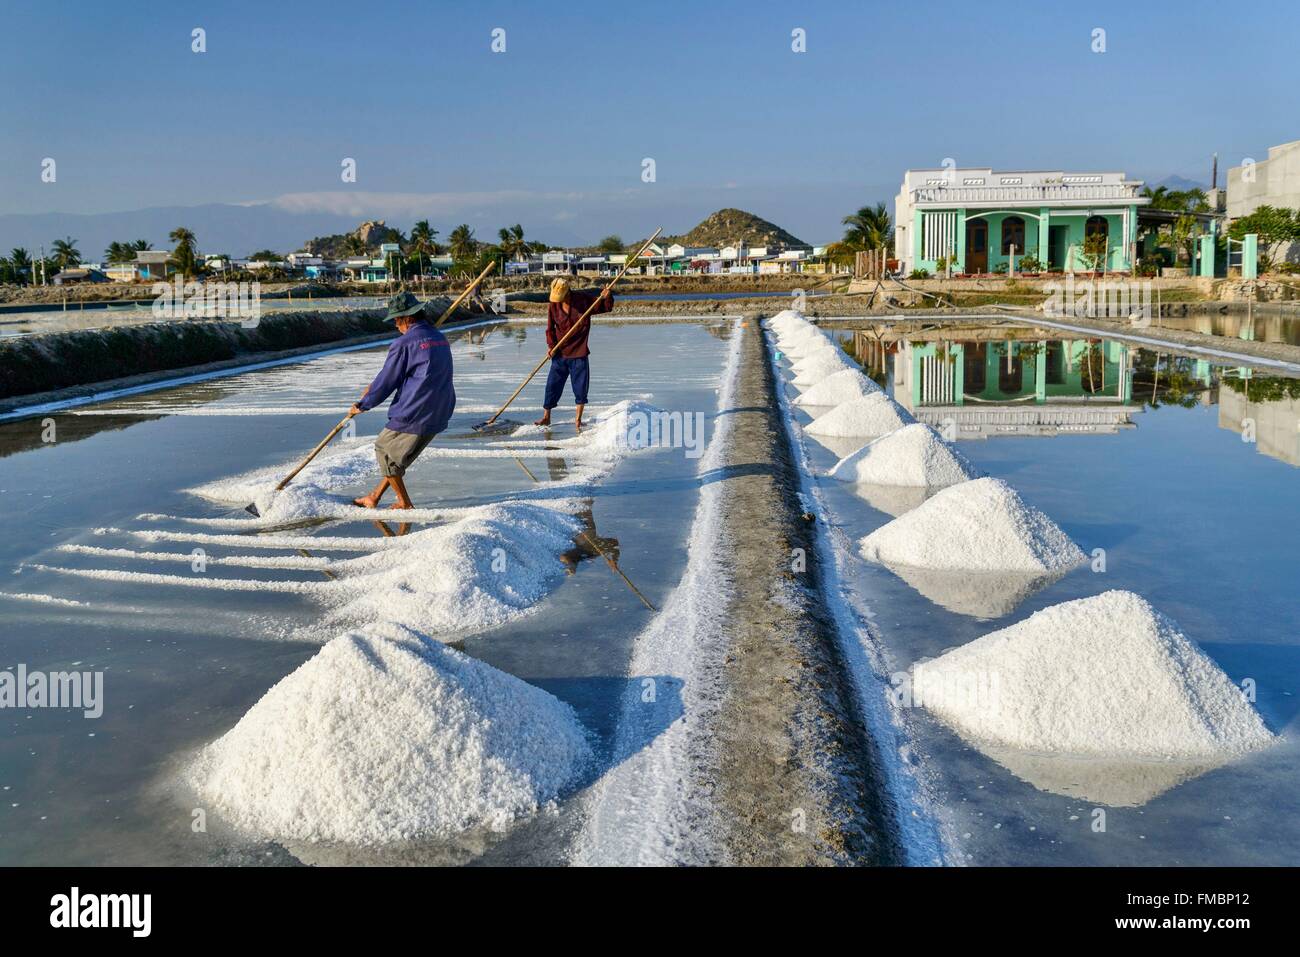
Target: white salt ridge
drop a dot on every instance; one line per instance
(838, 388)
(980, 525)
(1106, 676)
(913, 455)
(325, 488)
(384, 736)
(821, 365)
(868, 416)
(490, 568)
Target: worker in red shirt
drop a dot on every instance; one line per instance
(570, 362)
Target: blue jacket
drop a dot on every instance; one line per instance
(417, 374)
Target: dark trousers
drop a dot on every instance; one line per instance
(562, 370)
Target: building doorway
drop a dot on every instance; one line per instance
(977, 246)
(1057, 238)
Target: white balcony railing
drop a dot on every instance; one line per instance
(1022, 194)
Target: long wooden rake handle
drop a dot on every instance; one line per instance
(339, 428)
(468, 289)
(574, 328)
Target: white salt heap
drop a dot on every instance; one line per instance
(868, 416)
(838, 387)
(787, 320)
(1107, 676)
(912, 455)
(821, 364)
(802, 341)
(384, 736)
(980, 525)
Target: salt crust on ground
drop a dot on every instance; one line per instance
(317, 491)
(1102, 676)
(869, 416)
(913, 455)
(980, 525)
(385, 736)
(838, 388)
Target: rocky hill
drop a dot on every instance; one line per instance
(728, 226)
(372, 233)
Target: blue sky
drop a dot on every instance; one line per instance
(552, 132)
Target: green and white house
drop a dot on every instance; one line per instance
(978, 219)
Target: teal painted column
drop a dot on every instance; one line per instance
(916, 239)
(1207, 256)
(959, 374)
(961, 239)
(916, 377)
(1249, 256)
(1040, 374)
(1128, 373)
(1044, 230)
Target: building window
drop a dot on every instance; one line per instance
(1096, 226)
(1013, 234)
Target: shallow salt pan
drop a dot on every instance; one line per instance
(979, 525)
(837, 388)
(913, 455)
(1106, 676)
(869, 416)
(385, 736)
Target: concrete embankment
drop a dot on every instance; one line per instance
(799, 780)
(39, 369)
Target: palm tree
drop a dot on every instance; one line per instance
(20, 261)
(512, 242)
(184, 255)
(354, 245)
(868, 228)
(463, 243)
(66, 253)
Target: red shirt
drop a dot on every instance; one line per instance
(557, 323)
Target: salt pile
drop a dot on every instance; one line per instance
(802, 341)
(1107, 676)
(838, 387)
(980, 525)
(384, 736)
(490, 567)
(912, 455)
(820, 365)
(870, 415)
(787, 320)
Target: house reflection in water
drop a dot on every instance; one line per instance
(1001, 381)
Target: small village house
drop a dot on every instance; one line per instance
(978, 218)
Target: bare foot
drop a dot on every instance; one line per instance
(578, 425)
(364, 502)
(400, 507)
(544, 420)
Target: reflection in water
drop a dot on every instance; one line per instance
(1097, 780)
(893, 499)
(1265, 409)
(985, 380)
(977, 594)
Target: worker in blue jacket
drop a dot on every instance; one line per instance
(417, 374)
